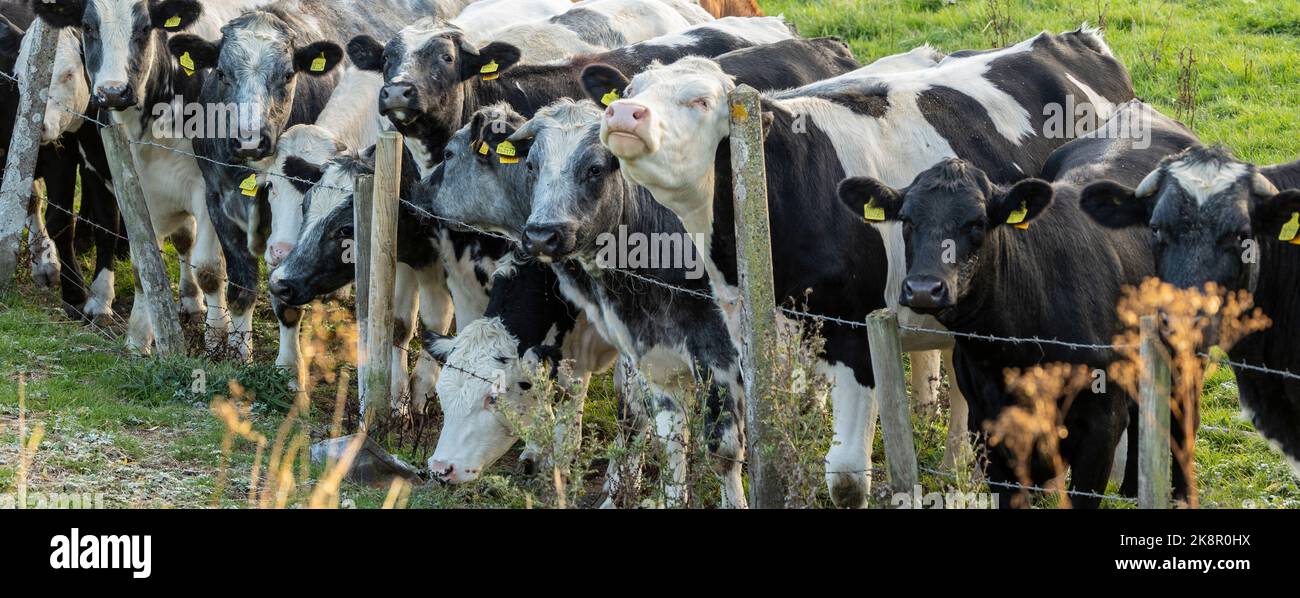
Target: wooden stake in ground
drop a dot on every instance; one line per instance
(20, 169)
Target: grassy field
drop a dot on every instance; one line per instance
(133, 430)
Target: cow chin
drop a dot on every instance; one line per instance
(627, 146)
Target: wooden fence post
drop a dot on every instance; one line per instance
(758, 307)
(383, 268)
(1153, 409)
(362, 207)
(20, 168)
(146, 258)
(891, 392)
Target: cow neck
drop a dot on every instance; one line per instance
(526, 89)
(160, 84)
(1273, 286)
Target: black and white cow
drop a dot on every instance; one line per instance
(276, 66)
(1216, 219)
(969, 258)
(134, 77)
(434, 79)
(562, 202)
(592, 26)
(68, 145)
(669, 135)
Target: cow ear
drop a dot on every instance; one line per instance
(1020, 204)
(604, 83)
(302, 174)
(1278, 217)
(437, 346)
(59, 13)
(175, 15)
(488, 62)
(1113, 205)
(202, 52)
(366, 53)
(318, 58)
(870, 199)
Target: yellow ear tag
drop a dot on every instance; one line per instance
(318, 65)
(1017, 217)
(506, 152)
(249, 186)
(187, 63)
(610, 97)
(872, 213)
(483, 148)
(1291, 230)
(489, 70)
(175, 21)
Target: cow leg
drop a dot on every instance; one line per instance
(406, 298)
(855, 410)
(1096, 423)
(926, 380)
(192, 306)
(61, 191)
(139, 332)
(104, 215)
(726, 440)
(673, 435)
(229, 241)
(957, 448)
(436, 314)
(290, 354)
(623, 475)
(40, 248)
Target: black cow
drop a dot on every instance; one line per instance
(670, 133)
(969, 263)
(1218, 219)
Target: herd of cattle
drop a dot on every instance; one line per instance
(535, 129)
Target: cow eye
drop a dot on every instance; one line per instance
(1158, 235)
(446, 155)
(446, 58)
(594, 171)
(344, 232)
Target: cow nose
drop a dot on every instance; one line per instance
(397, 98)
(924, 292)
(626, 116)
(542, 239)
(114, 95)
(253, 148)
(279, 251)
(443, 471)
(282, 290)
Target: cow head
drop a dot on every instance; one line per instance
(1207, 212)
(297, 158)
(69, 94)
(324, 259)
(256, 66)
(948, 213)
(427, 69)
(666, 124)
(122, 40)
(579, 192)
(477, 185)
(485, 390)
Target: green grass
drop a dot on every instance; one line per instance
(133, 429)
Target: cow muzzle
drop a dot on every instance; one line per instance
(399, 102)
(925, 293)
(549, 241)
(253, 148)
(448, 473)
(115, 95)
(626, 125)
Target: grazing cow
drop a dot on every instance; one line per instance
(275, 65)
(1208, 212)
(434, 83)
(968, 255)
(134, 77)
(597, 25)
(68, 145)
(578, 197)
(527, 323)
(669, 134)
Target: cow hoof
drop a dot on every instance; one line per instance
(98, 312)
(848, 491)
(45, 275)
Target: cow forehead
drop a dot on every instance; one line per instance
(477, 359)
(694, 76)
(415, 37)
(1207, 181)
(110, 13)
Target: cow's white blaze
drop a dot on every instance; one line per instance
(1208, 179)
(115, 27)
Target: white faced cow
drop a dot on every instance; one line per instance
(670, 135)
(133, 75)
(1207, 211)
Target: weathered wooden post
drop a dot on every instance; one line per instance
(383, 268)
(151, 274)
(20, 168)
(363, 188)
(758, 307)
(1153, 409)
(891, 392)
